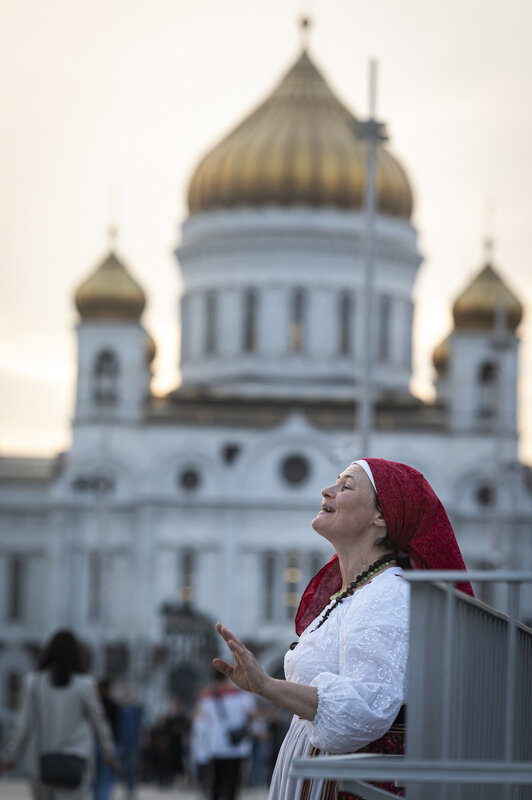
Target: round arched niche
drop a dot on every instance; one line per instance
(189, 479)
(485, 495)
(295, 469)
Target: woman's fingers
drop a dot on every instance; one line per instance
(235, 645)
(222, 666)
(237, 648)
(226, 634)
(246, 671)
(243, 657)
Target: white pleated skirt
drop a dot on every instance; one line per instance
(296, 744)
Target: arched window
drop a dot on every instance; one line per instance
(292, 579)
(250, 322)
(185, 326)
(269, 585)
(106, 371)
(407, 327)
(383, 338)
(488, 381)
(16, 586)
(297, 330)
(346, 319)
(488, 373)
(95, 584)
(211, 311)
(187, 569)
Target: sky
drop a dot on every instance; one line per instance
(106, 107)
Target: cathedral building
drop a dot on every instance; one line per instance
(168, 513)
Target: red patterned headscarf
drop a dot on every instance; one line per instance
(417, 526)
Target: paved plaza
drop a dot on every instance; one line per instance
(19, 790)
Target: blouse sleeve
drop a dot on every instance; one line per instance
(360, 704)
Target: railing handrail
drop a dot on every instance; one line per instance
(373, 767)
(450, 577)
(478, 575)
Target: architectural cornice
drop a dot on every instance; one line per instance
(190, 406)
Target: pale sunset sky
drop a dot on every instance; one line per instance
(107, 106)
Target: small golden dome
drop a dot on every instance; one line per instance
(110, 293)
(477, 308)
(440, 356)
(299, 146)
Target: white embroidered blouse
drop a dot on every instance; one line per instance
(357, 660)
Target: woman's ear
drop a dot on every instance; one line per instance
(380, 522)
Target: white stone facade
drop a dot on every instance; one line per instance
(206, 497)
(112, 530)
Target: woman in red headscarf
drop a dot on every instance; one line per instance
(346, 677)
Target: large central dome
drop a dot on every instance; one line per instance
(298, 147)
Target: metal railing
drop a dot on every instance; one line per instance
(469, 710)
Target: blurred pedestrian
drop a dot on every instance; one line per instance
(260, 747)
(177, 725)
(129, 722)
(228, 711)
(61, 713)
(200, 748)
(104, 777)
(161, 752)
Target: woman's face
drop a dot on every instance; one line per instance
(348, 506)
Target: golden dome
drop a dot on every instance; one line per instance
(440, 356)
(110, 293)
(476, 309)
(299, 146)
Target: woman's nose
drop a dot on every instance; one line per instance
(328, 491)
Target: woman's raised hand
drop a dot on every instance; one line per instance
(246, 671)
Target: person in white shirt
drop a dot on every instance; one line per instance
(227, 711)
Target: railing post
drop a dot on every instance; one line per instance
(509, 711)
(513, 612)
(448, 652)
